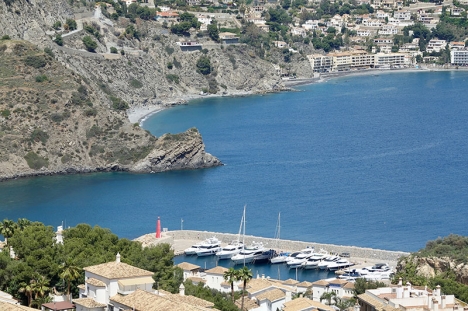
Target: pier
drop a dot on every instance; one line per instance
(182, 239)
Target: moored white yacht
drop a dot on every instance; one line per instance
(230, 250)
(192, 249)
(210, 247)
(339, 264)
(313, 261)
(300, 258)
(323, 265)
(248, 253)
(284, 257)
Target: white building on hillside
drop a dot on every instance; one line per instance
(109, 279)
(435, 45)
(459, 57)
(407, 298)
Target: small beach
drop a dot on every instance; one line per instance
(138, 114)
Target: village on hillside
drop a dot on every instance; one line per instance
(334, 36)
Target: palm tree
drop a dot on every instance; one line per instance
(245, 275)
(343, 304)
(7, 229)
(28, 290)
(328, 296)
(69, 272)
(40, 286)
(23, 223)
(231, 276)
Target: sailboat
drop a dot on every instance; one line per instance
(234, 247)
(282, 257)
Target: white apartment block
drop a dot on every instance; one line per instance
(320, 63)
(390, 60)
(402, 15)
(459, 57)
(435, 45)
(388, 30)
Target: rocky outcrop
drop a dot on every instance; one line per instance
(53, 122)
(431, 266)
(177, 151)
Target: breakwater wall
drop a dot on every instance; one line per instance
(287, 245)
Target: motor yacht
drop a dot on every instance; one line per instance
(300, 258)
(230, 250)
(313, 261)
(248, 253)
(339, 264)
(323, 265)
(210, 247)
(283, 257)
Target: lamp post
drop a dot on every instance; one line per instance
(181, 224)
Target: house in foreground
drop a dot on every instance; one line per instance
(407, 298)
(116, 286)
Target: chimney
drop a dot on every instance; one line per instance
(443, 302)
(182, 290)
(406, 293)
(117, 257)
(288, 296)
(435, 304)
(263, 275)
(399, 290)
(437, 291)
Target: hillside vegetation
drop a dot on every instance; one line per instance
(41, 263)
(442, 262)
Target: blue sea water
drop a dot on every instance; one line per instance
(377, 161)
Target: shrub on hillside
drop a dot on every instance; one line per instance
(36, 61)
(35, 161)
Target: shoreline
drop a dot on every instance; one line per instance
(139, 114)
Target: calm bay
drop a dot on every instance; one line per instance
(377, 161)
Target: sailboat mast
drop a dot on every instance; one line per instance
(243, 233)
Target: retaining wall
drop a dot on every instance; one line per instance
(288, 245)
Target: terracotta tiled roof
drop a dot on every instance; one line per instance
(249, 304)
(303, 303)
(271, 294)
(338, 281)
(349, 285)
(188, 266)
(256, 285)
(217, 270)
(117, 270)
(378, 305)
(191, 300)
(95, 282)
(88, 303)
(141, 300)
(290, 282)
(320, 283)
(5, 306)
(304, 284)
(82, 286)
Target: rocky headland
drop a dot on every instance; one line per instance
(65, 110)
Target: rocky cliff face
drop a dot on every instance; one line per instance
(431, 266)
(63, 111)
(53, 122)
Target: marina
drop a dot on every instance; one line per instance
(182, 240)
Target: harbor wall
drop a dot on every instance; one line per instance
(288, 245)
